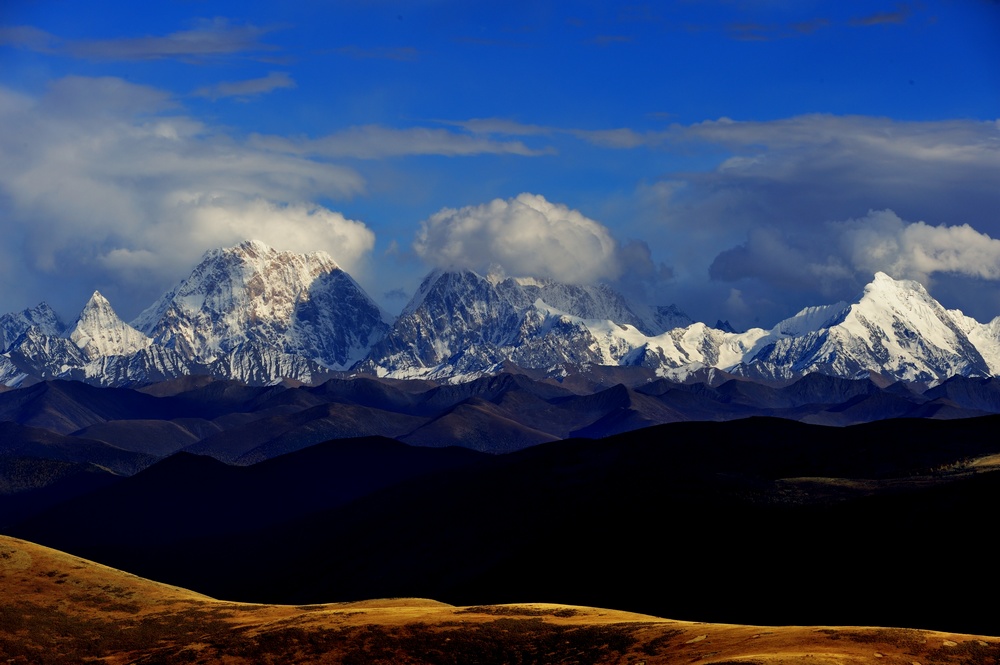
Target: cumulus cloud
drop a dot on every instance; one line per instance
(211, 221)
(778, 189)
(847, 253)
(883, 241)
(103, 179)
(247, 88)
(794, 175)
(526, 235)
(205, 222)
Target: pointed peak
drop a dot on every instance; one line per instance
(883, 282)
(99, 331)
(97, 307)
(97, 299)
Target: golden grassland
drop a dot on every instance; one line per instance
(57, 608)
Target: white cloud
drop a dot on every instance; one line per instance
(247, 88)
(883, 241)
(102, 179)
(376, 141)
(527, 235)
(768, 210)
(838, 255)
(199, 222)
(218, 222)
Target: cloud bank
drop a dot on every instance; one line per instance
(104, 180)
(526, 235)
(850, 252)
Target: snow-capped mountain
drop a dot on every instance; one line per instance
(896, 328)
(461, 323)
(15, 324)
(984, 336)
(98, 331)
(248, 312)
(294, 304)
(36, 355)
(259, 315)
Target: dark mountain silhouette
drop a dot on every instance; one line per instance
(694, 520)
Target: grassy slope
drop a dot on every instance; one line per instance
(56, 608)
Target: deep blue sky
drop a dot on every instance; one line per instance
(739, 158)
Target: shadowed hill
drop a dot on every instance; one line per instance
(701, 521)
(190, 496)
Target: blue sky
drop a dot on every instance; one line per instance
(741, 159)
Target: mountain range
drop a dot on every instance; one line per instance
(264, 432)
(258, 315)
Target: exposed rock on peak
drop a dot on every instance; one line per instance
(297, 304)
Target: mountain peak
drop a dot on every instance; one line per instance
(882, 283)
(97, 301)
(252, 244)
(256, 250)
(99, 332)
(290, 303)
(895, 328)
(14, 324)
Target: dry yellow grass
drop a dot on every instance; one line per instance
(57, 608)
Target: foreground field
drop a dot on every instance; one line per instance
(58, 608)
